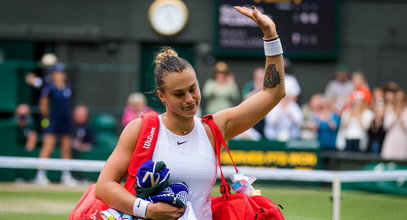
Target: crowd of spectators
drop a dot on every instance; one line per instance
(347, 116)
(372, 122)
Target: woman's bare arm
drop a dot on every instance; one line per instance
(108, 187)
(238, 119)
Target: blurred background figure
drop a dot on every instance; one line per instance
(249, 89)
(355, 121)
(48, 63)
(55, 108)
(292, 87)
(284, 121)
(42, 75)
(360, 88)
(255, 85)
(389, 91)
(327, 123)
(309, 112)
(377, 97)
(395, 124)
(82, 136)
(376, 130)
(339, 88)
(251, 135)
(27, 135)
(136, 106)
(221, 91)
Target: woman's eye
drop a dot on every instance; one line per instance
(179, 94)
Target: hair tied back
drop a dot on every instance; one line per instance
(163, 54)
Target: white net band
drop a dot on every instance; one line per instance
(260, 173)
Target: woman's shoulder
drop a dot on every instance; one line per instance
(132, 128)
(129, 135)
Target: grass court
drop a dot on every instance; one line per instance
(27, 201)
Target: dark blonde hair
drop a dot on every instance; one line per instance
(167, 61)
(220, 67)
(391, 87)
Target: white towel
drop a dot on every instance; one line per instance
(189, 213)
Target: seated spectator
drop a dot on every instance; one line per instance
(376, 130)
(339, 88)
(395, 124)
(221, 92)
(309, 110)
(27, 136)
(355, 121)
(136, 106)
(82, 138)
(327, 123)
(284, 121)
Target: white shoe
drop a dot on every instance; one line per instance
(41, 180)
(69, 181)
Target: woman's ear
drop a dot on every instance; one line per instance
(161, 96)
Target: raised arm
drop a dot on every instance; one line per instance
(238, 119)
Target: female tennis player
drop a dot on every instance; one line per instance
(185, 143)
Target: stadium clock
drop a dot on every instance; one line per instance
(168, 17)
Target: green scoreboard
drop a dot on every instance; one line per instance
(308, 29)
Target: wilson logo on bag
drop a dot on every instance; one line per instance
(89, 206)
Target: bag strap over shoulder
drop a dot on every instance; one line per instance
(144, 148)
(219, 142)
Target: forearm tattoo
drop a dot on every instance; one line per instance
(272, 77)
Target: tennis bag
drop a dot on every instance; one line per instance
(88, 205)
(238, 206)
(226, 207)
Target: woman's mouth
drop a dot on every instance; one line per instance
(187, 108)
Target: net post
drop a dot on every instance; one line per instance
(336, 197)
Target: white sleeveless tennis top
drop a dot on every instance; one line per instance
(190, 159)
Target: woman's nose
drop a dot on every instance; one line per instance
(188, 97)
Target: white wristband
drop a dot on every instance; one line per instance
(273, 48)
(140, 207)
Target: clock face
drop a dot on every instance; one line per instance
(168, 17)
